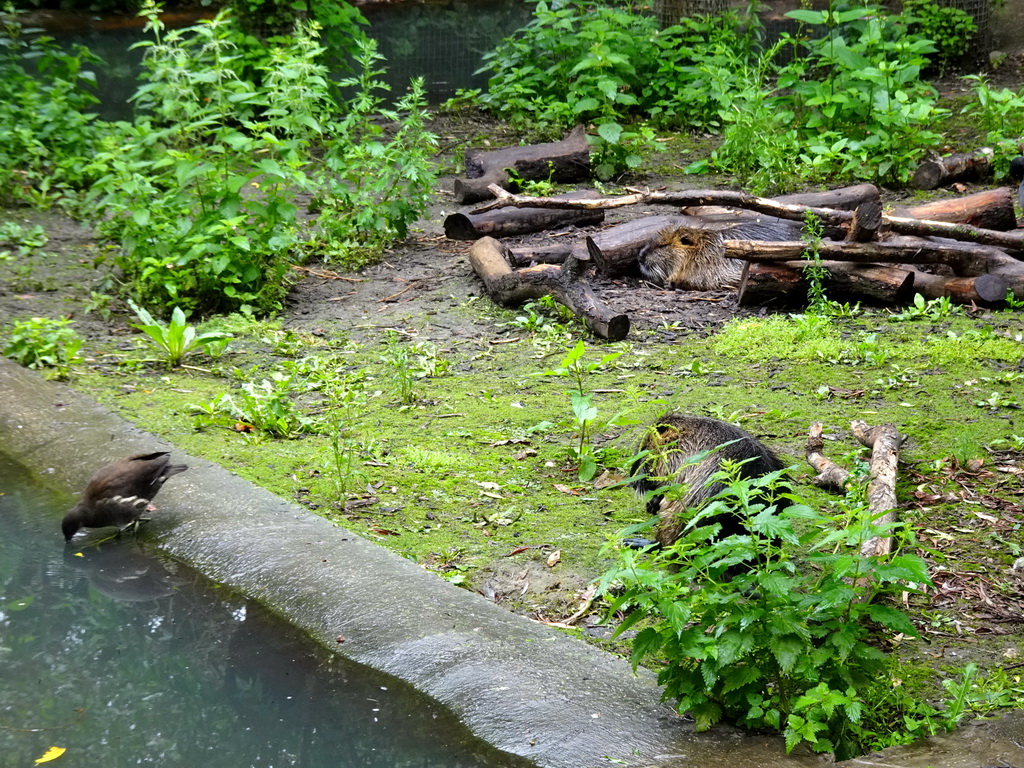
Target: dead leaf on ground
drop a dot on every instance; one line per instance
(553, 558)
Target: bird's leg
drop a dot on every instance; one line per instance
(135, 525)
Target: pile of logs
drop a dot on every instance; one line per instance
(964, 248)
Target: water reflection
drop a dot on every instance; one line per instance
(125, 659)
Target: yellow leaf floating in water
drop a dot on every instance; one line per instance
(51, 754)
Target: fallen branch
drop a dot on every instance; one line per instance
(906, 226)
(830, 475)
(884, 442)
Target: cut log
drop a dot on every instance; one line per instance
(830, 475)
(842, 199)
(509, 287)
(867, 220)
(884, 442)
(522, 221)
(984, 290)
(963, 166)
(564, 161)
(990, 209)
(783, 284)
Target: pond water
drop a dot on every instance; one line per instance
(433, 41)
(124, 658)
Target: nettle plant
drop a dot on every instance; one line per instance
(754, 634)
(585, 415)
(577, 62)
(47, 132)
(200, 191)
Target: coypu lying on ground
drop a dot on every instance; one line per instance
(693, 258)
(689, 258)
(672, 442)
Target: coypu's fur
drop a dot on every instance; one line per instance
(672, 442)
(690, 258)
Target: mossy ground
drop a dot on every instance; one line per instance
(474, 478)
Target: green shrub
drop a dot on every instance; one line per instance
(788, 644)
(950, 29)
(200, 193)
(41, 343)
(47, 133)
(377, 182)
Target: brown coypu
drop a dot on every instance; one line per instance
(691, 258)
(672, 442)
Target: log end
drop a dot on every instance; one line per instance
(991, 290)
(615, 328)
(458, 226)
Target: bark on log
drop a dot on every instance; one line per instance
(569, 162)
(522, 221)
(962, 166)
(842, 199)
(990, 209)
(830, 475)
(884, 442)
(543, 254)
(984, 290)
(783, 283)
(903, 225)
(509, 287)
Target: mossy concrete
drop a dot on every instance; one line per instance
(521, 686)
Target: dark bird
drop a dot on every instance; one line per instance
(119, 493)
(1017, 174)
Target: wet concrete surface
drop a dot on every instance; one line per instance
(523, 687)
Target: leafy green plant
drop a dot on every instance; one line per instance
(784, 644)
(24, 240)
(177, 340)
(266, 407)
(950, 29)
(397, 357)
(47, 133)
(999, 112)
(377, 183)
(814, 272)
(200, 193)
(932, 310)
(585, 413)
(346, 400)
(42, 343)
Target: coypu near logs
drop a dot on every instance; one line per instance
(691, 258)
(672, 442)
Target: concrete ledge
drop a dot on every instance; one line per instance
(520, 686)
